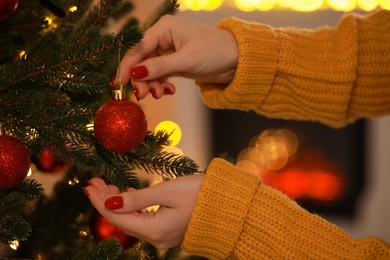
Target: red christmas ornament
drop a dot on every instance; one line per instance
(14, 162)
(7, 8)
(102, 229)
(46, 162)
(120, 125)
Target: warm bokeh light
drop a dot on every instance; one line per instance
(213, 4)
(266, 5)
(174, 150)
(73, 181)
(367, 5)
(307, 184)
(296, 5)
(289, 138)
(324, 186)
(385, 4)
(251, 154)
(274, 155)
(246, 5)
(307, 5)
(197, 5)
(248, 166)
(83, 234)
(271, 150)
(171, 128)
(342, 5)
(285, 3)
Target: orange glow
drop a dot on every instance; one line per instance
(325, 186)
(306, 184)
(248, 166)
(292, 183)
(274, 155)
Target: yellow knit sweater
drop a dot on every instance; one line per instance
(331, 75)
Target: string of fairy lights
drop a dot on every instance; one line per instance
(295, 5)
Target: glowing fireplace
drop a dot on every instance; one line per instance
(320, 167)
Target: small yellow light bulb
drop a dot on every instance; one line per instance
(48, 21)
(14, 244)
(89, 127)
(22, 55)
(73, 181)
(72, 9)
(29, 173)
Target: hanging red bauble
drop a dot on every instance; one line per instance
(120, 126)
(102, 229)
(14, 162)
(7, 8)
(46, 162)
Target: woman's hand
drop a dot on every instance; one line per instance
(179, 47)
(163, 228)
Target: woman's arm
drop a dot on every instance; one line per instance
(332, 75)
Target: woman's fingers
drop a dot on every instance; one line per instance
(163, 228)
(156, 88)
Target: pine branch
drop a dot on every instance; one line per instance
(40, 107)
(26, 19)
(82, 82)
(83, 154)
(14, 227)
(30, 189)
(117, 171)
(58, 219)
(11, 202)
(157, 140)
(163, 163)
(105, 249)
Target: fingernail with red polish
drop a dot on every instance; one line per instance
(115, 202)
(85, 192)
(139, 72)
(168, 91)
(154, 92)
(136, 93)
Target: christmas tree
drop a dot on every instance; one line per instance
(56, 63)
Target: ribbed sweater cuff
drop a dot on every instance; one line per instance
(219, 214)
(257, 63)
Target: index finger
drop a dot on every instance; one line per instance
(146, 48)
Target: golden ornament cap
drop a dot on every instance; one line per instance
(119, 92)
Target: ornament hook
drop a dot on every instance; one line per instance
(119, 92)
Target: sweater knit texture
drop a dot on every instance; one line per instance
(331, 75)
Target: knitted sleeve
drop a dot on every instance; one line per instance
(237, 217)
(332, 75)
